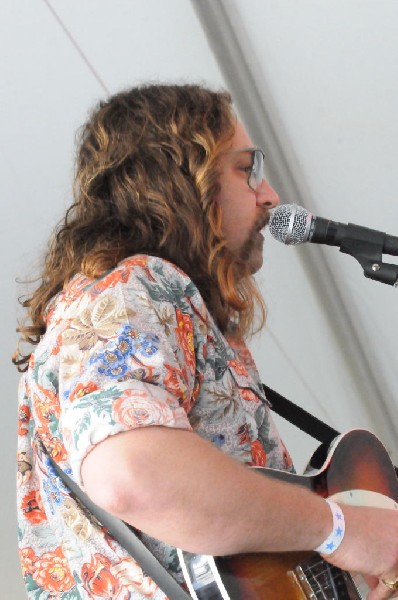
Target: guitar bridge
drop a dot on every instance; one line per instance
(320, 580)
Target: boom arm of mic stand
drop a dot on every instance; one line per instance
(366, 246)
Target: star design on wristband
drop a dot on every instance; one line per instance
(330, 546)
(339, 531)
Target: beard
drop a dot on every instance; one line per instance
(254, 243)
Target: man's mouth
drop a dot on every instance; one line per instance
(255, 236)
(262, 223)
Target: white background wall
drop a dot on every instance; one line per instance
(327, 72)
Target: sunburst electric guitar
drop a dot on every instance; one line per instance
(356, 470)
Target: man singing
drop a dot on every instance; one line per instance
(140, 385)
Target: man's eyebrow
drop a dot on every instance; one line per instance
(243, 149)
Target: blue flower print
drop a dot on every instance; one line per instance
(51, 487)
(218, 440)
(113, 363)
(129, 343)
(148, 344)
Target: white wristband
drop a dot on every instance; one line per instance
(334, 540)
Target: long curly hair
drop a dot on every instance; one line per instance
(146, 182)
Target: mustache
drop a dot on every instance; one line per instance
(262, 220)
(259, 224)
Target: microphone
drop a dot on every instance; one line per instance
(292, 225)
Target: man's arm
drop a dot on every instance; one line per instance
(179, 488)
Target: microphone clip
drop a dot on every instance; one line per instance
(366, 246)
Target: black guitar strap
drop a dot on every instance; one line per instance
(299, 417)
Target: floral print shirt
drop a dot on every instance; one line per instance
(134, 348)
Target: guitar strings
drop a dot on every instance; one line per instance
(331, 579)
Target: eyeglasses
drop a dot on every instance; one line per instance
(256, 173)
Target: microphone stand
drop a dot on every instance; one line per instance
(366, 246)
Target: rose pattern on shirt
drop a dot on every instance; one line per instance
(134, 348)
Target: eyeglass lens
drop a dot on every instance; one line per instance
(257, 172)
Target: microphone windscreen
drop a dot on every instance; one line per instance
(290, 224)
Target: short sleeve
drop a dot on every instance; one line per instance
(127, 356)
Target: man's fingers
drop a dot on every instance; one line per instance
(382, 592)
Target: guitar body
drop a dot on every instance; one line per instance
(262, 576)
(356, 470)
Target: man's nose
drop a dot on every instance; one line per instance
(266, 195)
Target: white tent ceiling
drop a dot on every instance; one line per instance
(316, 84)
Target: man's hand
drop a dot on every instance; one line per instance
(370, 547)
